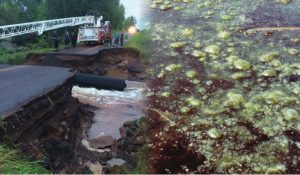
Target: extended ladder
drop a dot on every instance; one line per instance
(42, 26)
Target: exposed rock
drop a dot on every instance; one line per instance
(96, 168)
(122, 132)
(102, 142)
(140, 139)
(115, 162)
(101, 71)
(135, 68)
(87, 145)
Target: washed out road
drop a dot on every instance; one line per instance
(82, 50)
(21, 84)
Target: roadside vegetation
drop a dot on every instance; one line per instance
(140, 41)
(19, 56)
(12, 161)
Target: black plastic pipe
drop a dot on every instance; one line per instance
(99, 82)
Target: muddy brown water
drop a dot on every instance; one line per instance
(113, 108)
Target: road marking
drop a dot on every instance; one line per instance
(11, 68)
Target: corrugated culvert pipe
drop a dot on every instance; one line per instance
(99, 82)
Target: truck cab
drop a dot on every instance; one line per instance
(94, 33)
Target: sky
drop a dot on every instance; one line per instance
(136, 8)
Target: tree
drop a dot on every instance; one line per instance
(130, 21)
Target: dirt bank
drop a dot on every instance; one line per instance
(50, 129)
(115, 62)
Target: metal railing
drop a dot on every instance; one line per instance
(42, 26)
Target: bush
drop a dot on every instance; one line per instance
(140, 42)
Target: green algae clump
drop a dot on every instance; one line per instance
(284, 1)
(290, 114)
(224, 35)
(214, 133)
(242, 64)
(191, 74)
(185, 109)
(199, 54)
(273, 97)
(234, 100)
(174, 67)
(197, 45)
(293, 51)
(178, 44)
(268, 57)
(268, 73)
(166, 94)
(166, 7)
(226, 17)
(270, 169)
(213, 49)
(187, 32)
(231, 59)
(194, 102)
(238, 75)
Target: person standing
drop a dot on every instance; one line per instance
(66, 39)
(110, 37)
(117, 38)
(55, 39)
(122, 39)
(74, 39)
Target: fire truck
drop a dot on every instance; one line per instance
(96, 32)
(91, 28)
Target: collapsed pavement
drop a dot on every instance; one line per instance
(53, 125)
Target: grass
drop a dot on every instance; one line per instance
(20, 57)
(140, 42)
(12, 161)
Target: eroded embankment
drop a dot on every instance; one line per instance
(54, 127)
(123, 63)
(50, 129)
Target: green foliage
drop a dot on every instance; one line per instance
(111, 10)
(9, 12)
(130, 21)
(140, 42)
(41, 46)
(18, 11)
(13, 161)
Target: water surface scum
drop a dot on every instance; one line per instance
(224, 94)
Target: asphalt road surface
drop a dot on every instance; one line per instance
(83, 50)
(21, 84)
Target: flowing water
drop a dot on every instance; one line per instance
(113, 108)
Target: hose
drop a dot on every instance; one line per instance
(99, 82)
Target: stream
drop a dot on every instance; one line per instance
(113, 108)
